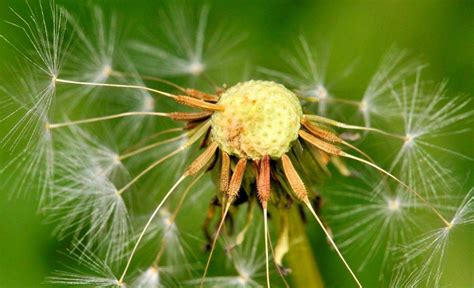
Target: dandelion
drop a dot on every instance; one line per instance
(431, 249)
(423, 123)
(255, 139)
(86, 196)
(98, 273)
(371, 223)
(310, 68)
(191, 52)
(394, 68)
(94, 53)
(28, 114)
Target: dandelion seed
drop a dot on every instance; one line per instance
(85, 199)
(428, 252)
(93, 270)
(34, 97)
(93, 57)
(309, 68)
(29, 138)
(185, 47)
(372, 221)
(393, 70)
(48, 45)
(427, 116)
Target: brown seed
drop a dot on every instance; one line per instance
(321, 133)
(294, 179)
(197, 103)
(225, 172)
(189, 116)
(201, 95)
(236, 180)
(202, 160)
(320, 144)
(263, 179)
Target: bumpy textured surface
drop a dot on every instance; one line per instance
(260, 118)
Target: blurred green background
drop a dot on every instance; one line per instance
(356, 32)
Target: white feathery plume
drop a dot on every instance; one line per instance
(174, 252)
(33, 97)
(45, 30)
(428, 114)
(132, 129)
(90, 271)
(428, 252)
(169, 234)
(166, 230)
(377, 220)
(28, 142)
(306, 74)
(86, 202)
(185, 46)
(394, 68)
(96, 48)
(154, 277)
(93, 56)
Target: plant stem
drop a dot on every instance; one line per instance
(300, 257)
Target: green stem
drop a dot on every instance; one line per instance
(300, 257)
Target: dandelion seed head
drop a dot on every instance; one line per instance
(260, 118)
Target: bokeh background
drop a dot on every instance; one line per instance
(355, 32)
